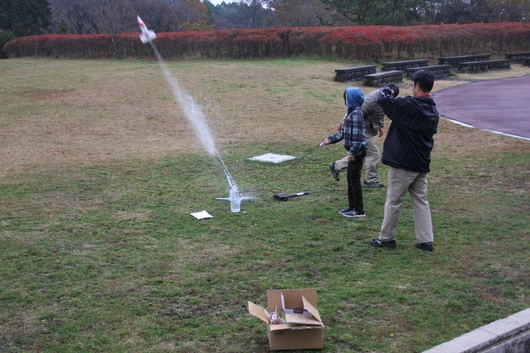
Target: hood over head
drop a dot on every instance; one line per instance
(354, 97)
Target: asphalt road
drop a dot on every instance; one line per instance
(495, 105)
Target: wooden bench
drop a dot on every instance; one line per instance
(402, 65)
(455, 60)
(354, 73)
(381, 79)
(517, 57)
(439, 71)
(482, 66)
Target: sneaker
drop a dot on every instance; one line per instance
(353, 214)
(383, 244)
(345, 210)
(333, 171)
(375, 184)
(425, 246)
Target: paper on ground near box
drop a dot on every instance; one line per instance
(201, 215)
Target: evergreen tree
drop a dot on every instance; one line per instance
(63, 28)
(25, 17)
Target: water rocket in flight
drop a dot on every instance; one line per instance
(147, 35)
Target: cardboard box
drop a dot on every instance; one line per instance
(303, 327)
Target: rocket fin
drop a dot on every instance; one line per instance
(149, 38)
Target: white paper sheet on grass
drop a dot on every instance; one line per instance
(201, 215)
(272, 157)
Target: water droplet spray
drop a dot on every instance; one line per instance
(195, 117)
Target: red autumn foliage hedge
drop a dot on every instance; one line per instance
(358, 42)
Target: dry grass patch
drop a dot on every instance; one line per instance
(61, 113)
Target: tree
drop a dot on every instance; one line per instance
(226, 15)
(355, 11)
(255, 13)
(118, 16)
(63, 28)
(194, 15)
(173, 15)
(398, 13)
(25, 17)
(76, 14)
(4, 38)
(510, 10)
(298, 13)
(241, 14)
(451, 11)
(113, 17)
(159, 15)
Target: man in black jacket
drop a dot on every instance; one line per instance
(407, 150)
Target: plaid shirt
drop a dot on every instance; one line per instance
(352, 133)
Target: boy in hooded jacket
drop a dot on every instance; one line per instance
(374, 121)
(354, 140)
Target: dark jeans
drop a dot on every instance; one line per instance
(355, 189)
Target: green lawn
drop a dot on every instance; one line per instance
(101, 254)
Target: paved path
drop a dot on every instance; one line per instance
(496, 105)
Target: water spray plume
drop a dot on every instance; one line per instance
(192, 111)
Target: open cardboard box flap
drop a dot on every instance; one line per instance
(259, 312)
(309, 315)
(298, 306)
(309, 307)
(304, 328)
(292, 327)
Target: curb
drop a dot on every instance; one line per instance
(511, 334)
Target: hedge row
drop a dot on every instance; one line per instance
(358, 42)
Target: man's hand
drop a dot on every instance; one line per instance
(351, 158)
(381, 132)
(387, 91)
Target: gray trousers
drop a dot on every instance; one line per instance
(371, 161)
(400, 182)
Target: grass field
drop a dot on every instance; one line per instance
(100, 172)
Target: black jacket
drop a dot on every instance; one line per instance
(409, 140)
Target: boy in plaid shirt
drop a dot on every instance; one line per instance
(354, 140)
